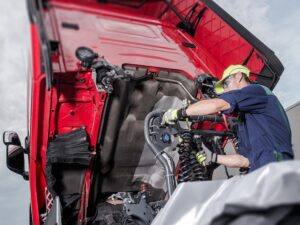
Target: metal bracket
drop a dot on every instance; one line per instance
(139, 209)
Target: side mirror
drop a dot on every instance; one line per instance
(14, 153)
(86, 56)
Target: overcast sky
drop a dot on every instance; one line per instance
(275, 22)
(14, 46)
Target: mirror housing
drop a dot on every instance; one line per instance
(14, 153)
(86, 56)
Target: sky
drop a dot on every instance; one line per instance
(274, 22)
(14, 50)
(277, 24)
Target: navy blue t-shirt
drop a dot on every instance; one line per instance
(263, 129)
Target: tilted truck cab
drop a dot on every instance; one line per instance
(98, 68)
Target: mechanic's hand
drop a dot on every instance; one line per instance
(170, 116)
(201, 158)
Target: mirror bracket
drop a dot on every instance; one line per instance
(15, 154)
(25, 175)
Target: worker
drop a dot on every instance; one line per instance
(264, 133)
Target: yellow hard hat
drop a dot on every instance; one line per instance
(230, 70)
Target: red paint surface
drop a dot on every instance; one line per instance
(123, 35)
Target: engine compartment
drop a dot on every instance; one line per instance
(119, 166)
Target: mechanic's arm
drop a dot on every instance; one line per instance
(211, 106)
(206, 107)
(234, 161)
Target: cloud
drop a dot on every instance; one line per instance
(251, 14)
(14, 40)
(287, 41)
(276, 24)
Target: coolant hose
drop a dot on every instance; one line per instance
(166, 161)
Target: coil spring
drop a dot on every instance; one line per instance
(190, 169)
(199, 172)
(184, 157)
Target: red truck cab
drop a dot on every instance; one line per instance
(85, 135)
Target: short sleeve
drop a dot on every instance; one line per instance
(252, 99)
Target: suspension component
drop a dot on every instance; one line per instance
(185, 149)
(159, 137)
(190, 169)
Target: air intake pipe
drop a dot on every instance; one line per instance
(166, 161)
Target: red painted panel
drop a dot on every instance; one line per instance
(33, 127)
(78, 104)
(124, 38)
